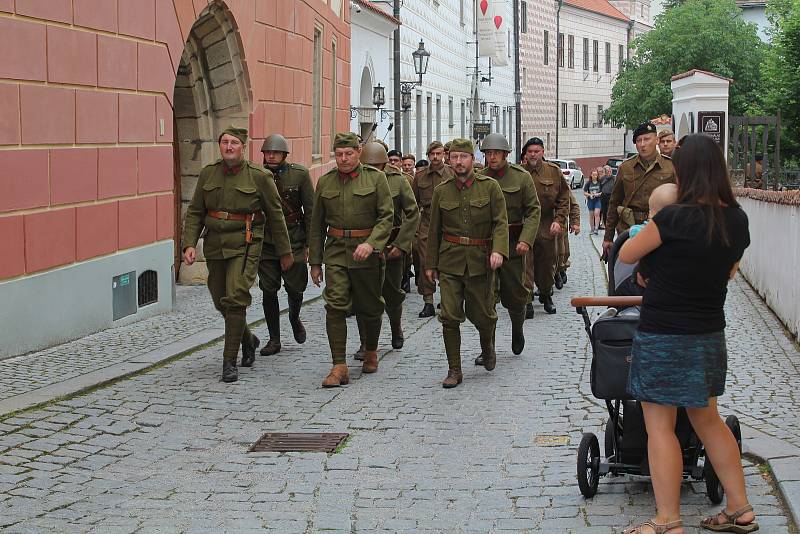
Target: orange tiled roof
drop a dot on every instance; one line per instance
(378, 11)
(598, 6)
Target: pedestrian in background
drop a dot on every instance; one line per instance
(606, 187)
(234, 204)
(690, 250)
(593, 193)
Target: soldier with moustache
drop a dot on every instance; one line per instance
(297, 200)
(467, 243)
(234, 206)
(522, 210)
(425, 181)
(553, 192)
(350, 226)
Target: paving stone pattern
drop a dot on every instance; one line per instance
(193, 313)
(165, 451)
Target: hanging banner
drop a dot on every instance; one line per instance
(486, 28)
(500, 57)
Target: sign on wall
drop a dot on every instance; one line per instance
(712, 124)
(492, 32)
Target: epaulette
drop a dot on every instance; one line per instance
(482, 176)
(298, 167)
(255, 166)
(445, 181)
(666, 157)
(553, 165)
(518, 167)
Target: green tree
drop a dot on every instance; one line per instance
(781, 67)
(694, 34)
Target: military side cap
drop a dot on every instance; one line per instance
(346, 140)
(644, 128)
(433, 146)
(665, 132)
(462, 145)
(238, 133)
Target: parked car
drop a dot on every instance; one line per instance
(572, 173)
(614, 164)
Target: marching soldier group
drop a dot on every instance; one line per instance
(483, 236)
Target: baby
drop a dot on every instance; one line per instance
(663, 195)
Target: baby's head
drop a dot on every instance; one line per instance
(663, 195)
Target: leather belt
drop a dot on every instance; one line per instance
(294, 217)
(466, 241)
(227, 216)
(339, 232)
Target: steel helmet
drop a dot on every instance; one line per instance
(495, 141)
(373, 153)
(275, 143)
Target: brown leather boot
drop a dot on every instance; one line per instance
(487, 352)
(454, 378)
(359, 354)
(338, 376)
(370, 364)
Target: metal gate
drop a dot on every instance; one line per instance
(750, 136)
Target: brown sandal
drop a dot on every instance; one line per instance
(657, 529)
(730, 524)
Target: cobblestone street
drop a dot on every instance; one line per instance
(166, 450)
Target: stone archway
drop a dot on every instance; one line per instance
(365, 102)
(212, 91)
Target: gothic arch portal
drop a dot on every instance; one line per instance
(212, 91)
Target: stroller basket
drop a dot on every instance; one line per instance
(612, 338)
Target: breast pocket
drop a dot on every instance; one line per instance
(245, 199)
(364, 201)
(548, 191)
(480, 210)
(212, 196)
(450, 216)
(331, 203)
(425, 191)
(513, 198)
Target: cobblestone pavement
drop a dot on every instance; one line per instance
(165, 451)
(193, 313)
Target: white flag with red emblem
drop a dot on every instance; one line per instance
(492, 32)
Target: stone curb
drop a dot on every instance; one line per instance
(782, 457)
(136, 364)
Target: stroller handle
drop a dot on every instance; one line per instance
(617, 301)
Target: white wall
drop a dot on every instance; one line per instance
(587, 87)
(769, 263)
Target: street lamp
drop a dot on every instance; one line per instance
(495, 111)
(421, 57)
(483, 108)
(405, 99)
(378, 96)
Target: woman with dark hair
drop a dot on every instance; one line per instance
(592, 193)
(690, 249)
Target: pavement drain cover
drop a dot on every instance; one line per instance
(298, 442)
(551, 441)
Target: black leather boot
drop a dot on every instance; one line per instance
(517, 337)
(547, 301)
(234, 330)
(272, 315)
(487, 351)
(529, 310)
(557, 280)
(250, 343)
(299, 331)
(395, 323)
(427, 310)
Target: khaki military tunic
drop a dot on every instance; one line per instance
(523, 212)
(297, 200)
(553, 192)
(405, 224)
(248, 189)
(632, 190)
(424, 183)
(476, 210)
(562, 244)
(360, 200)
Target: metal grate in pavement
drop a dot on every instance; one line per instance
(298, 442)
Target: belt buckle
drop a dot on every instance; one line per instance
(345, 233)
(463, 240)
(226, 215)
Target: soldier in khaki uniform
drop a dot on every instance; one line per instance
(424, 182)
(467, 242)
(398, 247)
(408, 165)
(562, 244)
(522, 210)
(353, 208)
(297, 199)
(553, 192)
(666, 142)
(232, 201)
(636, 178)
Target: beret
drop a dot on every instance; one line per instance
(644, 128)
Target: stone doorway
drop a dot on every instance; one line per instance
(212, 91)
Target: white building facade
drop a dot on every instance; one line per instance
(447, 102)
(592, 44)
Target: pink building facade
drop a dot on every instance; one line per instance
(108, 111)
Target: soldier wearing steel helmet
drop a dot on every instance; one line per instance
(297, 200)
(522, 209)
(398, 247)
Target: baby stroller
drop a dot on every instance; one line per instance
(625, 442)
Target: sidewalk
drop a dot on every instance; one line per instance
(763, 372)
(40, 377)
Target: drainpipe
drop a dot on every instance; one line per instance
(398, 139)
(558, 73)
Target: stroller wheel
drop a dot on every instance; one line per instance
(588, 464)
(714, 488)
(732, 422)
